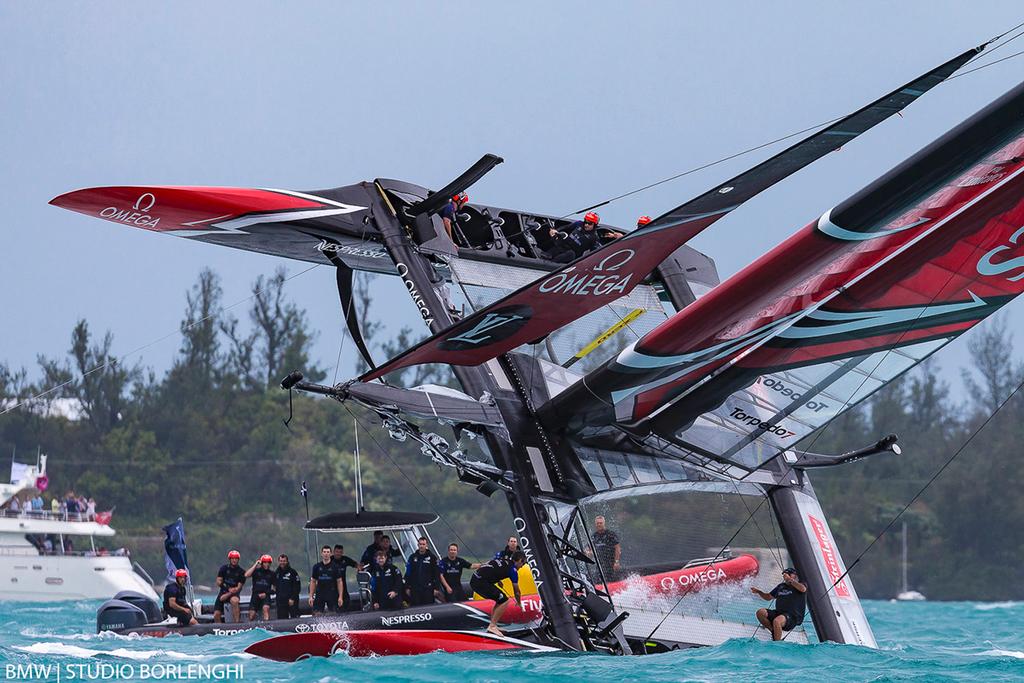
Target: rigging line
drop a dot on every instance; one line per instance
(930, 481)
(791, 135)
(115, 361)
(412, 483)
(979, 68)
(344, 332)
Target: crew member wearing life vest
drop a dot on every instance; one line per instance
(230, 579)
(176, 600)
(262, 586)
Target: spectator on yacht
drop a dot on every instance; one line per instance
(55, 506)
(15, 505)
(37, 503)
(90, 509)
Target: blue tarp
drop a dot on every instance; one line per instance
(175, 553)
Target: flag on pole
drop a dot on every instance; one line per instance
(175, 552)
(104, 517)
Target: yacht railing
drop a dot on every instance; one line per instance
(47, 514)
(32, 551)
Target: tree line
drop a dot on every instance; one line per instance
(205, 441)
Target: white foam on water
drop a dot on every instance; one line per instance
(1009, 604)
(66, 650)
(1002, 653)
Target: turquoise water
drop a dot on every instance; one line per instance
(919, 642)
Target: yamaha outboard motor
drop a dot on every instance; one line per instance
(154, 613)
(116, 615)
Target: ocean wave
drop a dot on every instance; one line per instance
(1016, 654)
(986, 606)
(63, 649)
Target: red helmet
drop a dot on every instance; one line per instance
(181, 574)
(234, 555)
(460, 198)
(592, 218)
(642, 221)
(266, 558)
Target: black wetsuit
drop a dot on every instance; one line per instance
(326, 597)
(422, 577)
(452, 572)
(173, 590)
(790, 602)
(495, 571)
(230, 577)
(262, 584)
(385, 580)
(369, 558)
(288, 587)
(581, 240)
(341, 566)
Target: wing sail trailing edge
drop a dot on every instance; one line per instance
(844, 306)
(596, 279)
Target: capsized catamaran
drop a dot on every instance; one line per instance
(684, 433)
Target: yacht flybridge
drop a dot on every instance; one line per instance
(47, 556)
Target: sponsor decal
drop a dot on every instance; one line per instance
(406, 619)
(709, 575)
(603, 279)
(349, 250)
(138, 214)
(779, 386)
(417, 298)
(230, 631)
(738, 415)
(830, 557)
(990, 177)
(321, 626)
(827, 227)
(526, 547)
(986, 266)
(499, 324)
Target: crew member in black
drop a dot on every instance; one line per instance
(790, 603)
(341, 563)
(176, 601)
(324, 584)
(287, 585)
(230, 580)
(450, 567)
(262, 586)
(369, 557)
(510, 547)
(607, 549)
(486, 578)
(422, 579)
(386, 583)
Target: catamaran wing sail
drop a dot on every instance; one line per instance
(844, 306)
(601, 277)
(306, 226)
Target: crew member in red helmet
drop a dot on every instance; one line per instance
(230, 580)
(450, 213)
(176, 600)
(262, 585)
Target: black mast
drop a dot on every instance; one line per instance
(420, 279)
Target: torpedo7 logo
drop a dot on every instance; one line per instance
(754, 421)
(986, 266)
(492, 327)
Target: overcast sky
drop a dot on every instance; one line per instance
(583, 100)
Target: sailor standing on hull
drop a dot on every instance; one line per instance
(486, 578)
(230, 580)
(324, 584)
(262, 585)
(386, 583)
(288, 586)
(422, 578)
(341, 562)
(450, 567)
(176, 602)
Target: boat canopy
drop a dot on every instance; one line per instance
(344, 522)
